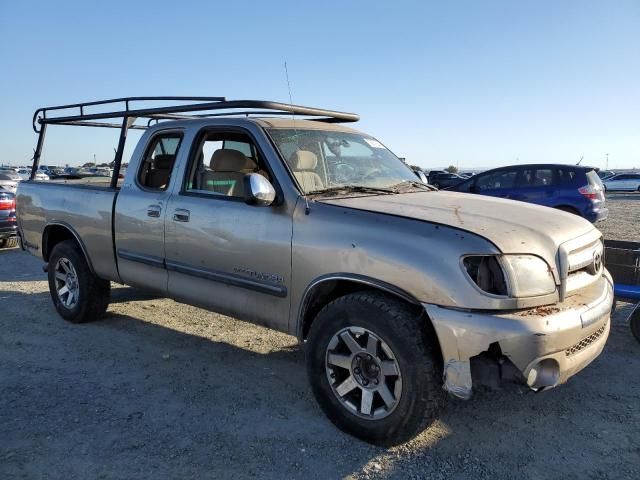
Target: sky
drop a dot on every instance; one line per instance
(467, 83)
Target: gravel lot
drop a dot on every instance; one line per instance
(163, 390)
(623, 222)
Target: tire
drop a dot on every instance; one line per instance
(90, 297)
(634, 323)
(395, 329)
(436, 184)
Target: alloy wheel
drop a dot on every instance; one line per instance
(66, 280)
(363, 373)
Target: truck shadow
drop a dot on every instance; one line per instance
(132, 396)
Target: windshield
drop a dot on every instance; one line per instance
(326, 160)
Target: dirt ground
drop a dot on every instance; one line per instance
(163, 390)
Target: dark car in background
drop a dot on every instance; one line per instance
(445, 179)
(572, 188)
(8, 225)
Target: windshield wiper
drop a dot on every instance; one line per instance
(337, 190)
(412, 183)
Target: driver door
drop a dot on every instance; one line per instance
(222, 253)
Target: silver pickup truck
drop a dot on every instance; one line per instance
(296, 222)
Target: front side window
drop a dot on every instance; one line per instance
(220, 163)
(159, 159)
(322, 160)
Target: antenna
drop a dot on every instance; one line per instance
(286, 72)
(580, 161)
(307, 208)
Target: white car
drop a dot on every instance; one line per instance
(25, 173)
(9, 181)
(628, 182)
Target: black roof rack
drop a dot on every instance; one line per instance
(180, 111)
(188, 108)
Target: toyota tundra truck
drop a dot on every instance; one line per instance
(280, 215)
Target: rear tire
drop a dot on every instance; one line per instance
(387, 333)
(78, 295)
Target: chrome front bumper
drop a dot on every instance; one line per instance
(547, 344)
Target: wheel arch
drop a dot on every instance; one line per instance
(329, 287)
(56, 232)
(568, 208)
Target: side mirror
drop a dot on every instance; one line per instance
(258, 190)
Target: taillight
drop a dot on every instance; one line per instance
(7, 203)
(590, 192)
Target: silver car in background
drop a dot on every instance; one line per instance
(9, 181)
(623, 182)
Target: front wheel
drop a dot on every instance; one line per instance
(372, 368)
(78, 295)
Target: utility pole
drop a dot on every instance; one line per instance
(607, 164)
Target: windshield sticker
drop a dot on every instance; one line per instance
(374, 143)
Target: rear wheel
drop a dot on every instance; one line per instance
(78, 295)
(371, 368)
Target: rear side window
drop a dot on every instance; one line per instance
(496, 180)
(159, 159)
(566, 176)
(538, 177)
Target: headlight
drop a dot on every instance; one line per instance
(510, 275)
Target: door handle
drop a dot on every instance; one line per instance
(154, 210)
(181, 215)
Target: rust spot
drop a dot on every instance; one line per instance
(456, 211)
(540, 312)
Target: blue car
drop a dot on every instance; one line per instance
(571, 188)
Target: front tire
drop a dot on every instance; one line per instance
(372, 368)
(78, 295)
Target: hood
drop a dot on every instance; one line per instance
(513, 227)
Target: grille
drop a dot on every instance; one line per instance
(585, 342)
(581, 264)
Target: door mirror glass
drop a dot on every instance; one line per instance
(258, 190)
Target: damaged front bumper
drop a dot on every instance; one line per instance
(546, 344)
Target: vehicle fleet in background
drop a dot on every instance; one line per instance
(573, 188)
(8, 224)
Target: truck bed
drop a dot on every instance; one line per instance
(87, 208)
